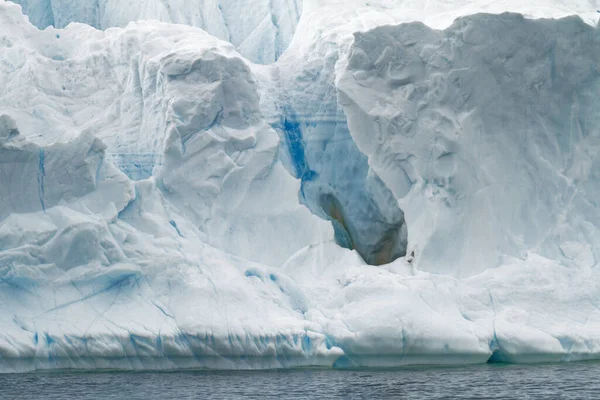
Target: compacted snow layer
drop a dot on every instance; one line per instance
(156, 187)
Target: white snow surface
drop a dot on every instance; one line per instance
(161, 196)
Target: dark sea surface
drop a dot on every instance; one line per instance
(490, 381)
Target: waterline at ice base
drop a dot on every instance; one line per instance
(318, 183)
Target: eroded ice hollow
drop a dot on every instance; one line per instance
(337, 183)
(481, 136)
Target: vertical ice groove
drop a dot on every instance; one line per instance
(40, 176)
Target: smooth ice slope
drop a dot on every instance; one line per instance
(156, 187)
(259, 29)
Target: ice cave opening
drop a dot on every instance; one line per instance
(384, 245)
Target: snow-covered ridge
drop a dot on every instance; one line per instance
(476, 144)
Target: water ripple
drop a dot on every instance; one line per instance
(564, 381)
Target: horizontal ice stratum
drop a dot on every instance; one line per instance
(273, 184)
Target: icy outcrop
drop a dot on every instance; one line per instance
(221, 165)
(487, 146)
(157, 188)
(56, 203)
(261, 30)
(37, 178)
(181, 98)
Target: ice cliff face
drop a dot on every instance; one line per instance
(260, 30)
(380, 196)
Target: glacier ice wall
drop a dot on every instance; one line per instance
(260, 30)
(156, 188)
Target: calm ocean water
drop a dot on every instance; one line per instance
(492, 381)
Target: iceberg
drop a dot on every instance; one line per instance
(391, 184)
